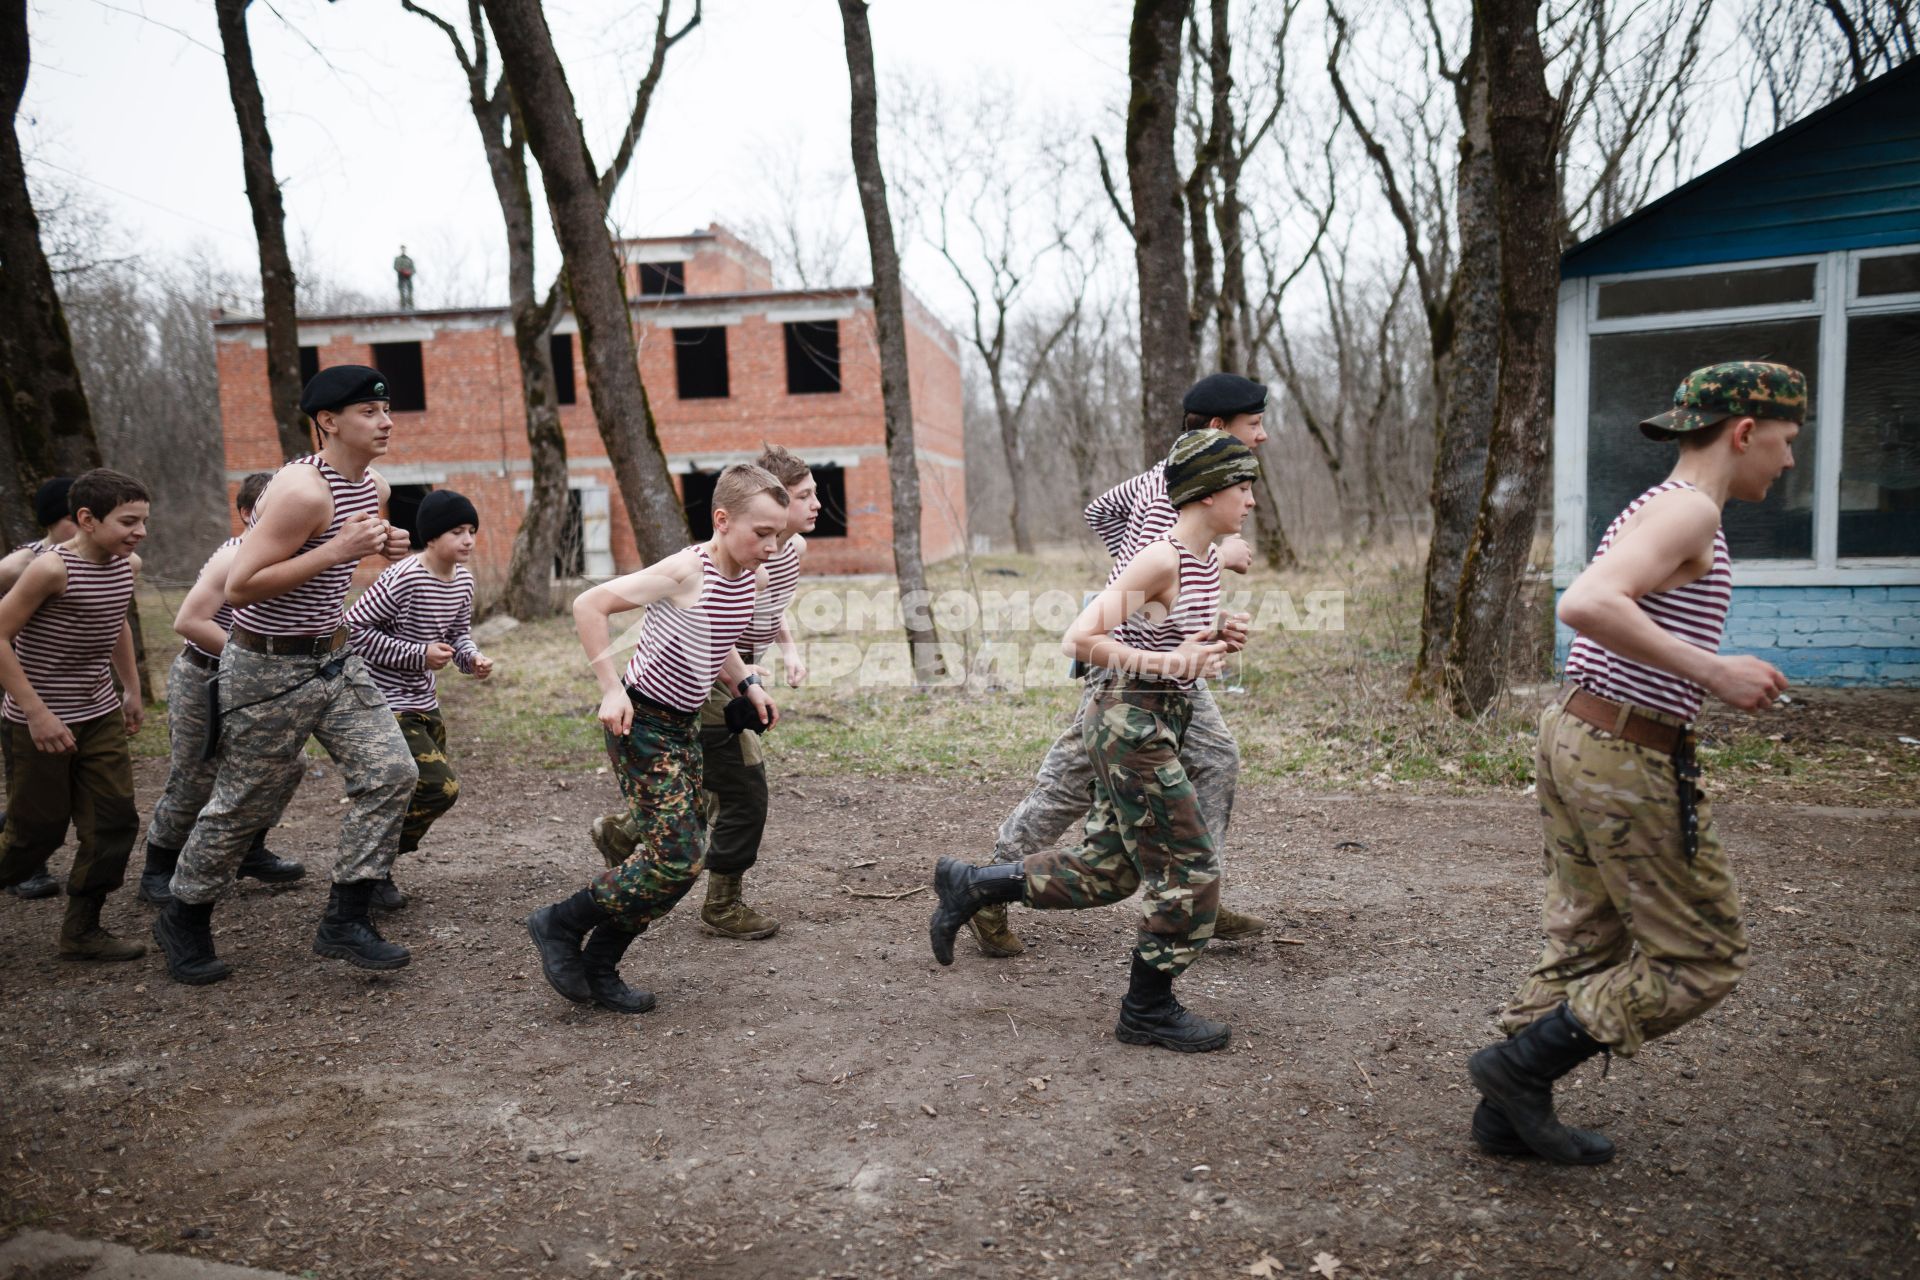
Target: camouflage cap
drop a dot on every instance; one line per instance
(1737, 389)
(1207, 461)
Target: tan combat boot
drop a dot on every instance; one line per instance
(611, 837)
(990, 931)
(726, 916)
(82, 938)
(1230, 926)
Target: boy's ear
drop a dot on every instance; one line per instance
(1742, 434)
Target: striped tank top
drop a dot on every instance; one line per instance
(66, 647)
(681, 650)
(223, 616)
(1195, 609)
(1695, 612)
(406, 609)
(783, 581)
(314, 608)
(1132, 514)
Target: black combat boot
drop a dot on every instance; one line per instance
(388, 896)
(345, 932)
(1494, 1134)
(266, 866)
(156, 878)
(963, 890)
(184, 931)
(601, 960)
(37, 885)
(558, 933)
(1150, 1015)
(1517, 1076)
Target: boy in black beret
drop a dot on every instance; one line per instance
(415, 619)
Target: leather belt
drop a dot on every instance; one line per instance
(204, 661)
(1623, 721)
(286, 646)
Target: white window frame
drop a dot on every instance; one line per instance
(1831, 305)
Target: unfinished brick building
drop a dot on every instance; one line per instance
(728, 361)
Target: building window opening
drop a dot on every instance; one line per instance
(813, 357)
(561, 344)
(832, 482)
(700, 363)
(406, 377)
(309, 364)
(696, 499)
(661, 279)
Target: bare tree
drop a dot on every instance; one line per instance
(890, 322)
(269, 229)
(529, 587)
(577, 202)
(800, 226)
(1837, 45)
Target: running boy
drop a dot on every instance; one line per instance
(56, 524)
(699, 604)
(734, 773)
(64, 638)
(1147, 828)
(415, 619)
(1642, 914)
(203, 621)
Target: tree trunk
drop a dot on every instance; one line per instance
(1466, 362)
(1159, 231)
(1526, 134)
(889, 319)
(1009, 422)
(620, 404)
(269, 228)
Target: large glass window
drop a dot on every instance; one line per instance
(1880, 441)
(1706, 291)
(1633, 375)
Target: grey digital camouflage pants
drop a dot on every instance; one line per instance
(271, 708)
(190, 778)
(1063, 790)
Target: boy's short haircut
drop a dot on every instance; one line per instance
(783, 466)
(250, 490)
(1690, 441)
(741, 483)
(101, 490)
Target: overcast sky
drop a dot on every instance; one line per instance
(127, 104)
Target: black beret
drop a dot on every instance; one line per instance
(440, 511)
(1225, 395)
(50, 501)
(341, 385)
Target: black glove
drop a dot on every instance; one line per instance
(742, 715)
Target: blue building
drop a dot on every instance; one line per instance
(1804, 249)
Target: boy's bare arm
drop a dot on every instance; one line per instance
(12, 565)
(677, 578)
(194, 620)
(1153, 575)
(296, 506)
(127, 668)
(44, 578)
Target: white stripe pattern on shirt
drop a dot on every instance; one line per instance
(406, 609)
(1195, 609)
(315, 607)
(681, 651)
(783, 582)
(223, 616)
(1695, 612)
(1131, 514)
(66, 647)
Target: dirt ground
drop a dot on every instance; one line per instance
(831, 1103)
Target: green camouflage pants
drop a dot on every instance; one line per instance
(658, 764)
(189, 778)
(271, 709)
(1639, 941)
(1145, 829)
(1063, 788)
(439, 785)
(733, 800)
(90, 787)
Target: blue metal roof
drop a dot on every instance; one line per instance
(1846, 177)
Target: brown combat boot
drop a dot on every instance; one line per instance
(82, 938)
(611, 837)
(1230, 926)
(726, 916)
(993, 936)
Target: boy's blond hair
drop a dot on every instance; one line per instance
(740, 483)
(783, 466)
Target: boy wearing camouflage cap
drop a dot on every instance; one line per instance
(1152, 635)
(1642, 913)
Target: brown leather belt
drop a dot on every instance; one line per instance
(286, 646)
(1623, 721)
(204, 661)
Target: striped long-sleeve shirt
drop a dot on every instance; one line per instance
(406, 609)
(66, 647)
(1131, 514)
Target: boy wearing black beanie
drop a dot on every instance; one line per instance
(415, 619)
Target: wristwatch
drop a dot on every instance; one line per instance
(741, 688)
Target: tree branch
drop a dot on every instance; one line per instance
(1106, 180)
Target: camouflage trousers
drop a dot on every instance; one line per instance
(733, 796)
(439, 785)
(271, 707)
(658, 763)
(90, 787)
(1639, 939)
(190, 778)
(1145, 830)
(1064, 786)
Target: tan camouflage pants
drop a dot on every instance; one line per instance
(190, 778)
(439, 785)
(1639, 941)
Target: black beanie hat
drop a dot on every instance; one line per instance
(1225, 395)
(340, 385)
(50, 501)
(440, 511)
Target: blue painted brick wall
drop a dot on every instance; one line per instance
(1828, 636)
